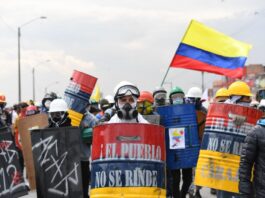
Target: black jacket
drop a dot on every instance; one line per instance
(253, 154)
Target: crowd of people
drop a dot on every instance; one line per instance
(129, 105)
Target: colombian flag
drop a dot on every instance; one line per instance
(204, 49)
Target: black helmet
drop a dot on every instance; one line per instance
(104, 104)
(48, 96)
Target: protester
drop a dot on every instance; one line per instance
(103, 106)
(126, 95)
(194, 96)
(58, 115)
(176, 97)
(145, 103)
(160, 95)
(5, 116)
(221, 95)
(252, 157)
(22, 114)
(31, 110)
(86, 126)
(240, 94)
(46, 101)
(94, 107)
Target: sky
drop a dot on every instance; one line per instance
(114, 40)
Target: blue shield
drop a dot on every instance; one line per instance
(182, 142)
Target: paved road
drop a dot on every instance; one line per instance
(205, 192)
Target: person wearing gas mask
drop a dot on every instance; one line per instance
(160, 95)
(126, 95)
(89, 121)
(145, 103)
(58, 115)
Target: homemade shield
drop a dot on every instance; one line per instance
(77, 95)
(24, 126)
(56, 153)
(128, 161)
(225, 130)
(12, 183)
(182, 143)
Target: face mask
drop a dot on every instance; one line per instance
(47, 104)
(178, 101)
(127, 111)
(245, 104)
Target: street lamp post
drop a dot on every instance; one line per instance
(33, 79)
(19, 64)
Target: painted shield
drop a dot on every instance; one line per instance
(225, 130)
(182, 143)
(128, 160)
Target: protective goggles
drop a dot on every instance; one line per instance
(160, 95)
(128, 90)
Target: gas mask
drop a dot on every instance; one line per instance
(58, 117)
(144, 108)
(160, 99)
(127, 111)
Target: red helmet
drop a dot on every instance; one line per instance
(31, 110)
(2, 98)
(146, 96)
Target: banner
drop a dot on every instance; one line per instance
(56, 153)
(11, 176)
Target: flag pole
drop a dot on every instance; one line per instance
(165, 76)
(202, 81)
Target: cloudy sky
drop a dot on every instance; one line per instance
(114, 40)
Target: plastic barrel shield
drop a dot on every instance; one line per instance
(225, 130)
(128, 161)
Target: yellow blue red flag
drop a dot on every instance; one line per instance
(96, 95)
(205, 49)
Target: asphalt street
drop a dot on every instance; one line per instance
(205, 193)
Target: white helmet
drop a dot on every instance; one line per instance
(194, 92)
(262, 103)
(58, 105)
(110, 98)
(125, 88)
